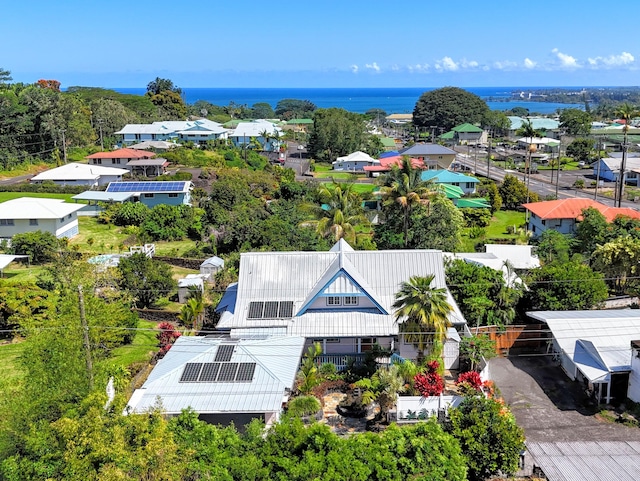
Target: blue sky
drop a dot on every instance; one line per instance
(347, 43)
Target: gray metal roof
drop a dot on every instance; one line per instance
(36, 208)
(101, 196)
(277, 361)
(159, 161)
(294, 276)
(598, 342)
(587, 461)
(427, 149)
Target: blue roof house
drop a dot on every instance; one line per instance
(467, 183)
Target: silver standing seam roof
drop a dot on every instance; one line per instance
(297, 276)
(587, 461)
(276, 364)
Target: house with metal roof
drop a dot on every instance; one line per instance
(594, 347)
(435, 156)
(136, 161)
(31, 214)
(608, 169)
(197, 131)
(342, 299)
(549, 127)
(224, 380)
(354, 162)
(80, 174)
(563, 215)
(245, 132)
(468, 134)
(150, 193)
(446, 177)
(211, 266)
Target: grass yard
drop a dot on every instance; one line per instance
(142, 348)
(5, 196)
(9, 354)
(324, 171)
(362, 189)
(496, 230)
(21, 272)
(107, 238)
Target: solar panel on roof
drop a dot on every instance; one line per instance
(224, 352)
(191, 372)
(255, 310)
(158, 186)
(270, 310)
(286, 309)
(209, 372)
(227, 372)
(245, 371)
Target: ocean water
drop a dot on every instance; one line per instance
(391, 100)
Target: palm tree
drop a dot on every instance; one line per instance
(528, 131)
(423, 311)
(404, 186)
(382, 388)
(626, 112)
(340, 213)
(192, 312)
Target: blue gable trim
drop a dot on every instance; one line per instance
(341, 271)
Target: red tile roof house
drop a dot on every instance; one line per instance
(386, 163)
(138, 162)
(563, 215)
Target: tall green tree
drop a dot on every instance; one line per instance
(162, 85)
(336, 132)
(591, 231)
(145, 278)
(422, 311)
(575, 121)
(404, 187)
(496, 122)
(514, 192)
(447, 107)
(619, 261)
(581, 150)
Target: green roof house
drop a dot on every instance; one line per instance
(469, 134)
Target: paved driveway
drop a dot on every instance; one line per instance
(549, 406)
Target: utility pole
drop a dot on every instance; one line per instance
(595, 195)
(622, 168)
(558, 174)
(489, 155)
(64, 146)
(85, 336)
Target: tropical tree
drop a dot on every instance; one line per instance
(340, 213)
(404, 187)
(423, 311)
(575, 121)
(383, 388)
(619, 261)
(626, 112)
(448, 107)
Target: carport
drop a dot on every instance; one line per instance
(594, 347)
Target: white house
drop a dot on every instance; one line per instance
(30, 214)
(354, 162)
(223, 380)
(80, 174)
(246, 131)
(341, 299)
(197, 131)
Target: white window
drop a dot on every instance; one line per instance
(333, 301)
(350, 301)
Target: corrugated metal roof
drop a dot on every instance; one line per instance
(277, 361)
(36, 208)
(427, 149)
(103, 196)
(295, 276)
(587, 461)
(76, 171)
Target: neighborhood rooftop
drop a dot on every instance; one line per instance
(36, 208)
(572, 209)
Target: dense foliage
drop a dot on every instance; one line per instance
(40, 246)
(447, 107)
(145, 279)
(513, 193)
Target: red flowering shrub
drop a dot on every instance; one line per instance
(470, 380)
(429, 383)
(166, 337)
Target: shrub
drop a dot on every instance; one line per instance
(166, 337)
(429, 383)
(477, 232)
(303, 406)
(469, 381)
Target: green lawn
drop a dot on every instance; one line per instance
(107, 238)
(496, 230)
(9, 354)
(142, 348)
(4, 196)
(362, 189)
(21, 273)
(324, 171)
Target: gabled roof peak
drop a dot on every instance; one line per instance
(341, 246)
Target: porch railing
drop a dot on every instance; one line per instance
(341, 361)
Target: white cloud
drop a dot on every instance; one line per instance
(354, 68)
(446, 63)
(418, 68)
(373, 66)
(504, 65)
(464, 63)
(625, 58)
(566, 60)
(528, 63)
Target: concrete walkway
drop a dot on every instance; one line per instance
(550, 407)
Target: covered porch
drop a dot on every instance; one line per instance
(341, 352)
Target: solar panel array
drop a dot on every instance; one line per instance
(270, 310)
(224, 352)
(218, 372)
(159, 186)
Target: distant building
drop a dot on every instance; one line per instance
(152, 193)
(608, 169)
(30, 214)
(245, 132)
(80, 174)
(564, 215)
(434, 156)
(465, 182)
(354, 162)
(197, 131)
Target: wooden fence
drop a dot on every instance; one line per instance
(526, 337)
